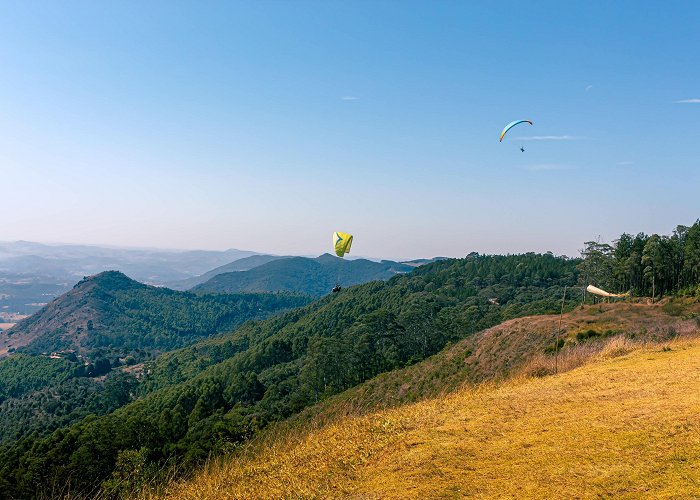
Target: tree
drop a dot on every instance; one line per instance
(691, 254)
(657, 260)
(597, 265)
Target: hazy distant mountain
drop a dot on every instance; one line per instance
(303, 275)
(32, 274)
(244, 264)
(75, 261)
(110, 315)
(422, 262)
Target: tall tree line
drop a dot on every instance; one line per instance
(645, 265)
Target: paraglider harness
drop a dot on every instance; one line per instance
(337, 288)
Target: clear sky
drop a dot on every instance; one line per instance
(268, 125)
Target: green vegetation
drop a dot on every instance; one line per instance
(204, 398)
(61, 404)
(106, 323)
(39, 394)
(303, 275)
(111, 317)
(21, 374)
(650, 266)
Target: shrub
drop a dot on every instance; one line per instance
(538, 368)
(615, 348)
(587, 334)
(540, 371)
(673, 308)
(554, 347)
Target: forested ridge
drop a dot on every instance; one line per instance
(205, 398)
(111, 316)
(303, 275)
(87, 345)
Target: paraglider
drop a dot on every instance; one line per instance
(522, 149)
(511, 125)
(341, 244)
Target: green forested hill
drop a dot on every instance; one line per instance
(244, 264)
(98, 333)
(303, 275)
(198, 400)
(111, 316)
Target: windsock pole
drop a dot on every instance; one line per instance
(556, 342)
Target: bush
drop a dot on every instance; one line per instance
(555, 346)
(587, 334)
(673, 308)
(538, 367)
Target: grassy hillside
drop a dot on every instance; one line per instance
(303, 275)
(624, 426)
(521, 345)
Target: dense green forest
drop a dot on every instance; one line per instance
(109, 316)
(21, 374)
(205, 398)
(645, 265)
(61, 404)
(105, 324)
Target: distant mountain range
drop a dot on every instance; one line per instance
(315, 277)
(32, 274)
(422, 262)
(69, 262)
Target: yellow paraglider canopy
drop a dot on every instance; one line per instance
(342, 243)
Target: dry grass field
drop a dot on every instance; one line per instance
(513, 347)
(626, 424)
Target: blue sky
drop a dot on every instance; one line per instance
(268, 125)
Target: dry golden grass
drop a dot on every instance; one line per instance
(576, 355)
(512, 347)
(626, 425)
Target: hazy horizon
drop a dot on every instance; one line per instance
(194, 249)
(266, 126)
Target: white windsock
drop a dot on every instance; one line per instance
(597, 291)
